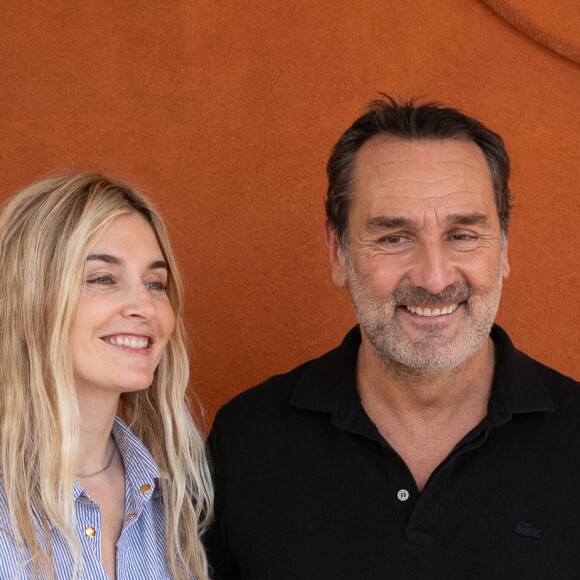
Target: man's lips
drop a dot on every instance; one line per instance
(419, 301)
(129, 340)
(432, 310)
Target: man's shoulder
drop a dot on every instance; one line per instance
(270, 393)
(559, 385)
(518, 365)
(256, 416)
(313, 384)
(526, 385)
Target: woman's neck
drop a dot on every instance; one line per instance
(97, 415)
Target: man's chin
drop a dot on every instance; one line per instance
(433, 350)
(420, 360)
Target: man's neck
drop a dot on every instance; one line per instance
(423, 414)
(419, 390)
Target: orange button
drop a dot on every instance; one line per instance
(145, 488)
(129, 517)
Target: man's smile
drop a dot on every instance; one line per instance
(436, 311)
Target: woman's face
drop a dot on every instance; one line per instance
(123, 318)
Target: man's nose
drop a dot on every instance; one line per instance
(433, 270)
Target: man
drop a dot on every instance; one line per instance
(425, 446)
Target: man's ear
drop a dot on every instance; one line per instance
(336, 256)
(505, 264)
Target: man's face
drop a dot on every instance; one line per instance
(425, 261)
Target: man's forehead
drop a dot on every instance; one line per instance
(405, 173)
(428, 158)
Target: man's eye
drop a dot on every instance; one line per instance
(161, 286)
(394, 239)
(462, 237)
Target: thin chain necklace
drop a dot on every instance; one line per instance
(109, 462)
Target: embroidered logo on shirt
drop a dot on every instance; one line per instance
(526, 529)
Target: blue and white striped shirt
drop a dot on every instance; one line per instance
(141, 546)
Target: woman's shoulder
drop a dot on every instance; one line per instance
(4, 515)
(8, 548)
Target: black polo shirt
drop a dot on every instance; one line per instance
(307, 488)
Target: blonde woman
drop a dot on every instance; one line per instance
(91, 322)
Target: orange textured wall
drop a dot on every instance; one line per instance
(224, 113)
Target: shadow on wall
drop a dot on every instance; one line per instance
(554, 29)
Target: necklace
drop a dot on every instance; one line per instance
(109, 462)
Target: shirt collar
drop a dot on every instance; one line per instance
(140, 468)
(328, 384)
(517, 386)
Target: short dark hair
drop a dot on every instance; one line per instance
(411, 121)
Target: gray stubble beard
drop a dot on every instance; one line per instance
(391, 342)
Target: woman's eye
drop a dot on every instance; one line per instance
(101, 280)
(161, 286)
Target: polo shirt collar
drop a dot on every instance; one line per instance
(517, 386)
(328, 383)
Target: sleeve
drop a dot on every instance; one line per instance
(222, 565)
(9, 554)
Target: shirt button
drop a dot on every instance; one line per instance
(145, 488)
(403, 495)
(90, 532)
(129, 517)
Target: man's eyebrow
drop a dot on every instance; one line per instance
(393, 222)
(386, 222)
(108, 259)
(467, 219)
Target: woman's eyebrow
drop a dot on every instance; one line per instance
(103, 258)
(108, 259)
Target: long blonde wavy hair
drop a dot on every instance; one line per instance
(46, 232)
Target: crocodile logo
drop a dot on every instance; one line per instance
(526, 529)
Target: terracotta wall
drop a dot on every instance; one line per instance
(224, 113)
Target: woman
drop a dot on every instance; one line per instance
(91, 323)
